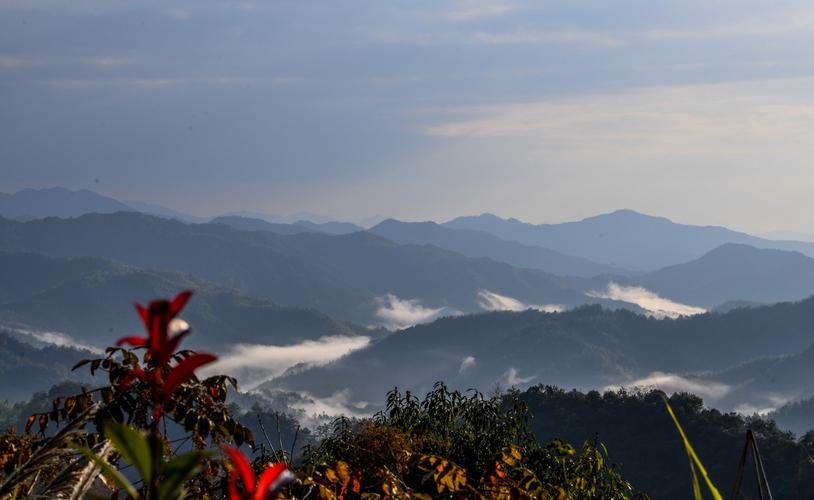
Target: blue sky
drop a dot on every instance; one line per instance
(542, 110)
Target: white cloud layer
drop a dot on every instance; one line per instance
(467, 362)
(671, 383)
(656, 306)
(254, 364)
(512, 378)
(336, 404)
(59, 339)
(491, 301)
(397, 313)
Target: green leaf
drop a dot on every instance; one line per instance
(694, 460)
(132, 445)
(109, 470)
(177, 471)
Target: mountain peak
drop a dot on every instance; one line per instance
(626, 215)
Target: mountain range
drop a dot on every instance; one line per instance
(623, 238)
(476, 287)
(735, 272)
(476, 243)
(299, 226)
(89, 301)
(588, 347)
(345, 276)
(28, 204)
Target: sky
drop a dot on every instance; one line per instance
(700, 111)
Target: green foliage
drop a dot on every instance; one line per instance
(132, 445)
(642, 437)
(450, 444)
(137, 449)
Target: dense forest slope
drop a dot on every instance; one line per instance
(642, 439)
(586, 347)
(25, 369)
(91, 299)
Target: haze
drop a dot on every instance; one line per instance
(545, 111)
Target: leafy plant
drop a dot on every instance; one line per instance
(130, 420)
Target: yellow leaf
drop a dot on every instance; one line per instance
(331, 475)
(343, 471)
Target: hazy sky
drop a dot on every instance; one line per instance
(702, 111)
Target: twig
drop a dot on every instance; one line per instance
(280, 437)
(263, 429)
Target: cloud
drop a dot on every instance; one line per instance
(656, 306)
(59, 339)
(179, 14)
(254, 364)
(467, 362)
(17, 61)
(153, 83)
(776, 23)
(399, 313)
(511, 378)
(478, 11)
(491, 301)
(749, 410)
(671, 383)
(338, 403)
(313, 411)
(547, 38)
(681, 119)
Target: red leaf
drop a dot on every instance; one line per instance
(134, 341)
(179, 302)
(183, 370)
(157, 325)
(243, 468)
(144, 314)
(172, 344)
(130, 377)
(272, 479)
(233, 494)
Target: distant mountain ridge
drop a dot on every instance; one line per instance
(38, 203)
(341, 275)
(30, 204)
(736, 272)
(623, 238)
(300, 226)
(475, 243)
(255, 224)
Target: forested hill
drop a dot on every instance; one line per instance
(25, 369)
(91, 300)
(643, 440)
(585, 347)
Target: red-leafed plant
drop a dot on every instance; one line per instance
(151, 383)
(161, 344)
(271, 480)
